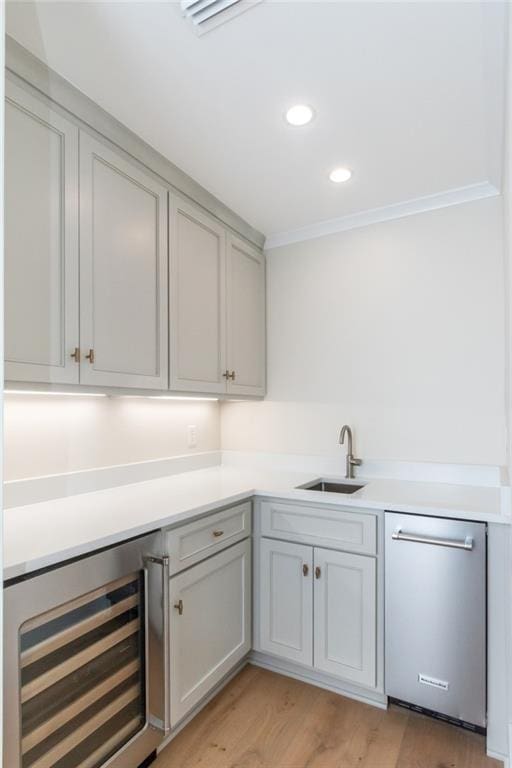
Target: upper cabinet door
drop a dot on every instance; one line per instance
(345, 616)
(41, 242)
(245, 318)
(123, 271)
(197, 300)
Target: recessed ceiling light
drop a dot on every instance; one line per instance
(338, 175)
(299, 115)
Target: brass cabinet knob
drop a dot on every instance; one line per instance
(232, 375)
(218, 533)
(179, 607)
(76, 354)
(226, 374)
(318, 572)
(305, 569)
(90, 356)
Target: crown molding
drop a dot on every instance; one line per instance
(386, 213)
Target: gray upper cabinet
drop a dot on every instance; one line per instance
(123, 271)
(41, 242)
(245, 287)
(217, 312)
(111, 282)
(197, 300)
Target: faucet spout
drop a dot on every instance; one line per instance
(345, 430)
(351, 461)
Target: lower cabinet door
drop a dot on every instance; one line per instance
(210, 627)
(345, 616)
(286, 600)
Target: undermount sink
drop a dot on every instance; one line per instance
(327, 486)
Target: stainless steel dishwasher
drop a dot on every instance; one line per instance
(435, 575)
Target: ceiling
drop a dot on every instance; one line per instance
(407, 95)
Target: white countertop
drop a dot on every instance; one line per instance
(46, 533)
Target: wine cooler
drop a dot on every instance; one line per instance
(86, 661)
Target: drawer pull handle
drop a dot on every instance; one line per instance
(305, 569)
(179, 607)
(76, 354)
(90, 356)
(218, 533)
(318, 572)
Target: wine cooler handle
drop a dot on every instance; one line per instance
(164, 650)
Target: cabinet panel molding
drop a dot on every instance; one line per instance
(123, 271)
(197, 300)
(345, 616)
(211, 632)
(193, 542)
(321, 526)
(41, 241)
(286, 600)
(246, 331)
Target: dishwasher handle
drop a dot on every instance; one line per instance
(466, 544)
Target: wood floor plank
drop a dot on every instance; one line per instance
(342, 732)
(430, 743)
(265, 720)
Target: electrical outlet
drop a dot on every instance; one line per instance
(192, 436)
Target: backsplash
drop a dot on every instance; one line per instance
(46, 435)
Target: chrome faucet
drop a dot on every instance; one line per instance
(351, 460)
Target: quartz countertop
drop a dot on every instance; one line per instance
(43, 534)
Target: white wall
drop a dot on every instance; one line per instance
(47, 435)
(396, 329)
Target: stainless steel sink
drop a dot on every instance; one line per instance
(327, 486)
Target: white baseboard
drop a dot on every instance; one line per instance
(497, 756)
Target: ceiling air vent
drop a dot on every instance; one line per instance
(208, 14)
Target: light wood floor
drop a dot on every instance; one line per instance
(264, 720)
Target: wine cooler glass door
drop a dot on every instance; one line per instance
(81, 696)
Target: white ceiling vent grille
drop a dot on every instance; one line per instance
(208, 14)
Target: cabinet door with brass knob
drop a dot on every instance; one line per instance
(197, 300)
(210, 625)
(245, 287)
(345, 620)
(286, 600)
(41, 241)
(123, 271)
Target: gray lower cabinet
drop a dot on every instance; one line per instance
(210, 625)
(344, 616)
(41, 241)
(286, 600)
(318, 608)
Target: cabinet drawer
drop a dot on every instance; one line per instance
(320, 526)
(195, 541)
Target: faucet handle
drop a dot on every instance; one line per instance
(355, 462)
